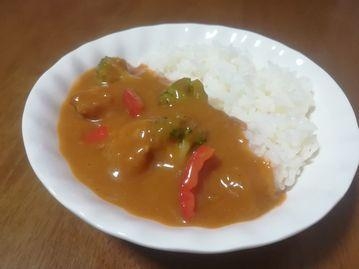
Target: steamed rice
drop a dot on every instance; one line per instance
(274, 102)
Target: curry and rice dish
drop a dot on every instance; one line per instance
(160, 146)
(160, 151)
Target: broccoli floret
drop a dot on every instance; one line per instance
(111, 69)
(182, 89)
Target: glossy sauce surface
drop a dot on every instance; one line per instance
(234, 185)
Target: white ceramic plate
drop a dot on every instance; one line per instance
(322, 184)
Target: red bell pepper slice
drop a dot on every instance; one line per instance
(190, 179)
(133, 102)
(96, 135)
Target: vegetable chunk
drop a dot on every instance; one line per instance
(182, 89)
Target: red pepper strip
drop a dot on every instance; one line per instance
(190, 179)
(133, 102)
(96, 135)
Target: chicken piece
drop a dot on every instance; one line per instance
(130, 148)
(92, 103)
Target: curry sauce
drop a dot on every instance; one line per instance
(140, 171)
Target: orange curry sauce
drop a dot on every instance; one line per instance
(234, 185)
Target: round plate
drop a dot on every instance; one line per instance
(321, 185)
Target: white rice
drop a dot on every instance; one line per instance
(274, 102)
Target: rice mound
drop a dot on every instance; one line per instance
(273, 101)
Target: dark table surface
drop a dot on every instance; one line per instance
(37, 232)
